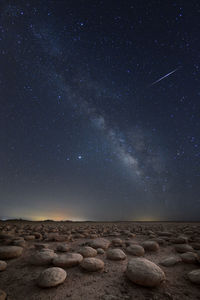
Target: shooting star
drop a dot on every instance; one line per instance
(170, 73)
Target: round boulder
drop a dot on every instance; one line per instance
(182, 248)
(63, 248)
(144, 272)
(92, 264)
(150, 246)
(194, 276)
(3, 265)
(7, 252)
(116, 254)
(189, 257)
(67, 260)
(100, 251)
(43, 257)
(51, 277)
(136, 250)
(170, 261)
(100, 243)
(88, 251)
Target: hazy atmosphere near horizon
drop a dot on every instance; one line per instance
(100, 110)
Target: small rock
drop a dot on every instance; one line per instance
(194, 276)
(51, 277)
(63, 248)
(3, 265)
(100, 251)
(2, 295)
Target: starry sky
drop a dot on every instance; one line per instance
(100, 109)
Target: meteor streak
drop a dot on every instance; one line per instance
(164, 76)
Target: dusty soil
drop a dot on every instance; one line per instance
(19, 278)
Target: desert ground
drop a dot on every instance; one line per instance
(99, 260)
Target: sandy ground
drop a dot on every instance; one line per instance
(19, 278)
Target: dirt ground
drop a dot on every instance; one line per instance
(19, 278)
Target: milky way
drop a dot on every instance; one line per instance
(86, 134)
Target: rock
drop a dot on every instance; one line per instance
(100, 243)
(7, 252)
(51, 277)
(2, 295)
(100, 251)
(150, 246)
(179, 240)
(88, 251)
(40, 246)
(136, 250)
(144, 272)
(42, 257)
(29, 237)
(189, 257)
(92, 264)
(182, 248)
(194, 276)
(63, 248)
(117, 242)
(19, 242)
(3, 265)
(67, 260)
(116, 254)
(170, 261)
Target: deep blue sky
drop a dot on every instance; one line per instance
(85, 134)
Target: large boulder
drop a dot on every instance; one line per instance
(189, 257)
(7, 252)
(144, 272)
(51, 277)
(92, 264)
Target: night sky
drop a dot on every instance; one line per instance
(100, 110)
